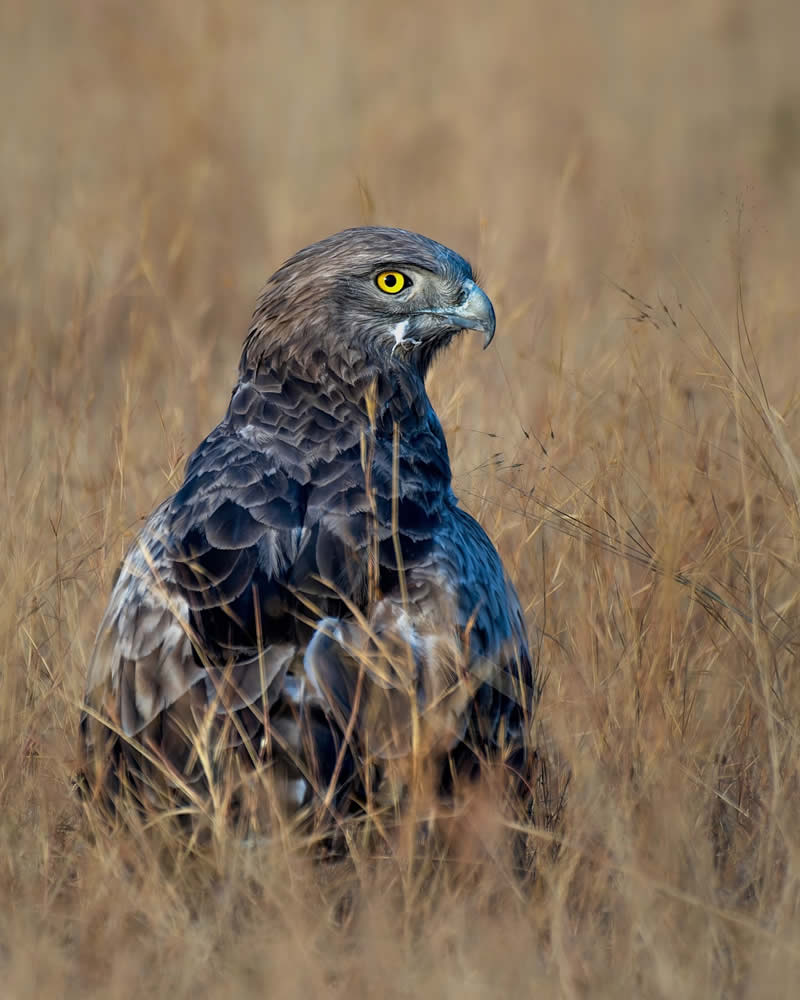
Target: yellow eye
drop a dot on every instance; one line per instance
(392, 282)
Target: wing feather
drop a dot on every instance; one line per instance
(283, 508)
(182, 612)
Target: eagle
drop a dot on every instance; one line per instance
(312, 602)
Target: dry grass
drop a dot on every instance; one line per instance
(157, 161)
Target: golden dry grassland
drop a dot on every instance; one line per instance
(626, 177)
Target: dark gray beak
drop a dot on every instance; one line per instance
(475, 313)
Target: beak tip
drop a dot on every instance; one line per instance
(479, 308)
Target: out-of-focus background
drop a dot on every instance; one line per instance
(626, 178)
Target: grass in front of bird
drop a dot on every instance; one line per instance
(633, 458)
(656, 549)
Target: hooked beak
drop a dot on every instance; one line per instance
(475, 313)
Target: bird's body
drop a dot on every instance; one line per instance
(313, 594)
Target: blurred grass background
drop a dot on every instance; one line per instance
(625, 176)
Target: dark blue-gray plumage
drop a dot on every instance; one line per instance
(313, 595)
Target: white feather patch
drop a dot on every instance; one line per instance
(399, 332)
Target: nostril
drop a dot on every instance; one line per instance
(466, 290)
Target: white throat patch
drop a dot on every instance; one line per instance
(399, 332)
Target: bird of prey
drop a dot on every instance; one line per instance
(313, 601)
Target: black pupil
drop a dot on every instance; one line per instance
(390, 280)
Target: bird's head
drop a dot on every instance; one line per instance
(371, 298)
